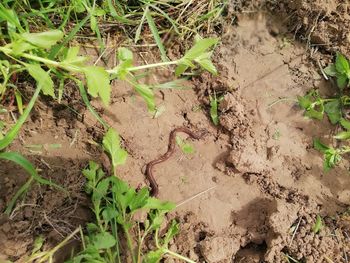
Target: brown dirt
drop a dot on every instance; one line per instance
(261, 184)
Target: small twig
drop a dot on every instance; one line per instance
(195, 196)
(295, 230)
(321, 69)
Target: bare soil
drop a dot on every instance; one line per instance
(254, 186)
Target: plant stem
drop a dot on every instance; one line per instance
(160, 64)
(175, 255)
(129, 242)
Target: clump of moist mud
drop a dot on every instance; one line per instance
(324, 25)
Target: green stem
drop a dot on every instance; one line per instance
(175, 255)
(160, 64)
(129, 242)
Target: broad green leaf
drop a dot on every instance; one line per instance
(11, 17)
(318, 225)
(304, 102)
(97, 79)
(101, 190)
(111, 144)
(140, 200)
(330, 70)
(72, 57)
(331, 159)
(345, 123)
(125, 57)
(208, 65)
(109, 213)
(311, 113)
(147, 94)
(333, 111)
(43, 39)
(104, 240)
(200, 47)
(172, 231)
(153, 256)
(342, 81)
(180, 69)
(154, 203)
(42, 78)
(19, 46)
(204, 61)
(341, 64)
(318, 145)
(345, 135)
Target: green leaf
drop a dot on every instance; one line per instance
(11, 17)
(185, 147)
(42, 78)
(200, 47)
(331, 159)
(154, 203)
(318, 225)
(153, 256)
(72, 57)
(100, 191)
(345, 123)
(330, 70)
(156, 36)
(30, 169)
(104, 240)
(342, 64)
(304, 102)
(312, 113)
(125, 57)
(342, 81)
(111, 144)
(333, 111)
(43, 39)
(318, 145)
(345, 135)
(214, 110)
(147, 94)
(97, 79)
(172, 231)
(140, 200)
(180, 69)
(109, 213)
(38, 244)
(10, 135)
(204, 61)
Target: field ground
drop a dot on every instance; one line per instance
(257, 175)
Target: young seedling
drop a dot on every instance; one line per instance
(184, 146)
(214, 103)
(340, 70)
(316, 228)
(315, 107)
(115, 205)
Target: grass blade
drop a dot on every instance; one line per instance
(56, 49)
(156, 36)
(85, 98)
(24, 188)
(30, 169)
(10, 136)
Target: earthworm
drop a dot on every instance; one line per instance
(166, 156)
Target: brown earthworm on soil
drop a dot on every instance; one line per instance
(166, 156)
